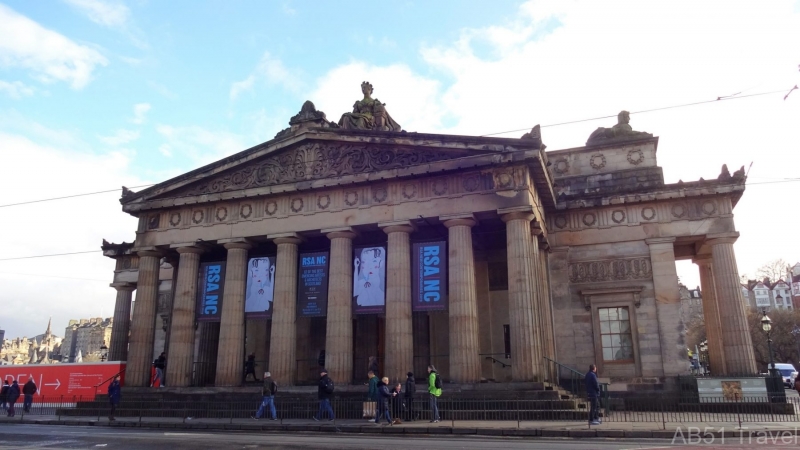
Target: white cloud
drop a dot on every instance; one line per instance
(140, 112)
(108, 14)
(272, 71)
(50, 56)
(199, 144)
(16, 89)
(166, 150)
(120, 137)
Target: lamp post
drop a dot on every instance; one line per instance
(766, 325)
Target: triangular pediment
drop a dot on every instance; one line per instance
(321, 155)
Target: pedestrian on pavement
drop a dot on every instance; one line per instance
(371, 406)
(250, 367)
(161, 365)
(411, 389)
(385, 394)
(114, 394)
(324, 393)
(4, 395)
(397, 403)
(13, 396)
(28, 389)
(434, 391)
(593, 395)
(268, 391)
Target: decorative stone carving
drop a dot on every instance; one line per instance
(308, 117)
(324, 201)
(198, 216)
(153, 222)
(222, 214)
(380, 194)
(648, 213)
(589, 219)
(297, 204)
(409, 191)
(635, 156)
(561, 222)
(271, 208)
(127, 193)
(709, 207)
(597, 161)
(351, 198)
(610, 270)
(618, 216)
(316, 161)
(472, 182)
(535, 135)
(678, 210)
(561, 166)
(246, 211)
(635, 291)
(368, 114)
(440, 186)
(622, 131)
(175, 219)
(725, 175)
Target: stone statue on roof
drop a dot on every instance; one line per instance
(622, 131)
(368, 114)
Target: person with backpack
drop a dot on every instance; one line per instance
(114, 394)
(324, 393)
(13, 396)
(411, 388)
(160, 365)
(28, 390)
(434, 391)
(268, 392)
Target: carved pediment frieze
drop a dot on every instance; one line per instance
(314, 162)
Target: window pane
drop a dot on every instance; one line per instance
(606, 340)
(615, 326)
(625, 327)
(612, 314)
(608, 354)
(603, 313)
(614, 340)
(624, 353)
(605, 327)
(623, 313)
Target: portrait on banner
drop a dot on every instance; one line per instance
(260, 286)
(369, 280)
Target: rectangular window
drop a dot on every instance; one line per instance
(615, 334)
(507, 340)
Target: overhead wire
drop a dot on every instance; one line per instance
(69, 196)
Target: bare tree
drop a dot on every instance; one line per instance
(774, 270)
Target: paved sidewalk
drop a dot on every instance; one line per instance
(638, 430)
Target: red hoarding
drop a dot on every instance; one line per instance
(55, 380)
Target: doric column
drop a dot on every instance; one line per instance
(540, 327)
(284, 318)
(739, 357)
(181, 332)
(522, 308)
(118, 349)
(140, 354)
(339, 330)
(399, 353)
(543, 299)
(716, 351)
(668, 305)
(464, 344)
(230, 353)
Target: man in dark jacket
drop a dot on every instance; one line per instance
(411, 388)
(593, 395)
(250, 367)
(396, 401)
(114, 394)
(268, 391)
(386, 394)
(160, 365)
(13, 396)
(324, 393)
(4, 395)
(28, 390)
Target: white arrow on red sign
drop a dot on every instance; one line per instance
(57, 384)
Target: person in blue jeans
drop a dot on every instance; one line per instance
(324, 393)
(593, 395)
(385, 394)
(268, 391)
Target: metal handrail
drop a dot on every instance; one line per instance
(107, 380)
(565, 367)
(495, 360)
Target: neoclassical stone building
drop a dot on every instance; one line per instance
(333, 243)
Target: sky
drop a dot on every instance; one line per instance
(97, 94)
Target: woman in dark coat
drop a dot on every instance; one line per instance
(383, 403)
(114, 394)
(13, 396)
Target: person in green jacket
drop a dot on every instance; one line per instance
(372, 395)
(433, 393)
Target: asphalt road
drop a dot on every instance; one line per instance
(62, 437)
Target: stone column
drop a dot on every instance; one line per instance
(522, 308)
(118, 349)
(739, 357)
(464, 345)
(181, 333)
(282, 341)
(668, 306)
(140, 354)
(339, 330)
(540, 327)
(716, 350)
(230, 352)
(399, 339)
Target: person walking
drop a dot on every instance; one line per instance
(385, 395)
(268, 391)
(324, 393)
(114, 394)
(160, 364)
(250, 367)
(593, 395)
(4, 395)
(371, 406)
(434, 391)
(13, 396)
(411, 389)
(28, 389)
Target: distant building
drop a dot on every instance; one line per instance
(793, 274)
(691, 304)
(768, 295)
(89, 337)
(42, 349)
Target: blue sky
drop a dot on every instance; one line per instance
(95, 94)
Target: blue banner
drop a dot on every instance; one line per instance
(429, 276)
(211, 285)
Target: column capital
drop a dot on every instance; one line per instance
(242, 243)
(516, 212)
(148, 251)
(285, 238)
(454, 220)
(397, 226)
(189, 248)
(123, 286)
(702, 260)
(660, 240)
(722, 238)
(340, 232)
